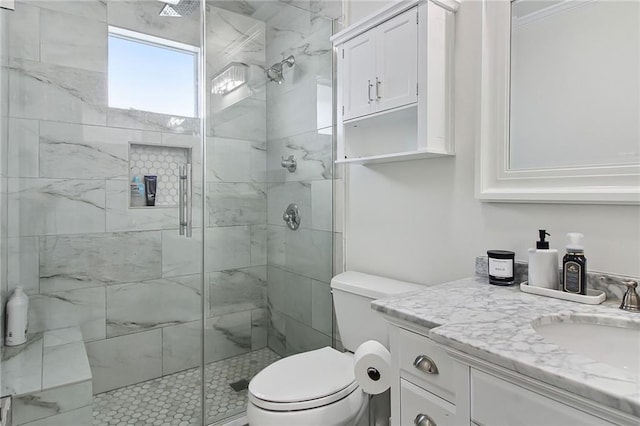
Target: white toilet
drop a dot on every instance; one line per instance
(318, 387)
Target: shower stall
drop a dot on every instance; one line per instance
(159, 312)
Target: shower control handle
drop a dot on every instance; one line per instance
(369, 86)
(184, 203)
(378, 83)
(289, 163)
(291, 217)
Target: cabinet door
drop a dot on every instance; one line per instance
(358, 75)
(497, 402)
(397, 63)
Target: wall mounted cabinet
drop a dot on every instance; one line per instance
(395, 71)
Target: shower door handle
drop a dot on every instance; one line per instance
(185, 207)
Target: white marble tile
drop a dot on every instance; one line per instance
(23, 256)
(259, 324)
(322, 205)
(125, 360)
(302, 338)
(51, 92)
(227, 247)
(312, 152)
(83, 152)
(24, 27)
(31, 407)
(152, 304)
(181, 347)
(85, 47)
(80, 417)
(181, 255)
(23, 148)
(276, 332)
(84, 308)
(92, 9)
(50, 206)
(114, 258)
(276, 245)
(143, 16)
(290, 294)
(280, 195)
(233, 37)
(236, 204)
(65, 364)
(122, 218)
(235, 160)
(258, 9)
(237, 290)
(321, 306)
(152, 121)
(309, 254)
(258, 245)
(22, 366)
(245, 120)
(62, 336)
(227, 336)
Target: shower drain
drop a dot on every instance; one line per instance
(240, 385)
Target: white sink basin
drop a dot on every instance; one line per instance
(617, 345)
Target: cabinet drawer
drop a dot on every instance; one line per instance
(497, 402)
(416, 402)
(413, 349)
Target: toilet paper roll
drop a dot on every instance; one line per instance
(372, 367)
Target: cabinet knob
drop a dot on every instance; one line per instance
(424, 420)
(425, 364)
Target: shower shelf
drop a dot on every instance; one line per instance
(162, 161)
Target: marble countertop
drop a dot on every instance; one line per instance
(494, 324)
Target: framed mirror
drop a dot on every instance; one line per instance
(560, 102)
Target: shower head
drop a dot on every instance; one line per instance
(178, 8)
(275, 72)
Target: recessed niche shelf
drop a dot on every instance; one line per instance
(163, 161)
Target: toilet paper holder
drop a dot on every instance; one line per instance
(425, 364)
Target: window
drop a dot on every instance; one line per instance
(152, 74)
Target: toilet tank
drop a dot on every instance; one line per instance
(352, 296)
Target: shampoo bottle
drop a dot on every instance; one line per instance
(574, 266)
(543, 264)
(17, 310)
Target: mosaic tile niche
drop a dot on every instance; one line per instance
(162, 161)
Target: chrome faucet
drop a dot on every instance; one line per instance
(630, 300)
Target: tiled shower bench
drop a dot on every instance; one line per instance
(49, 378)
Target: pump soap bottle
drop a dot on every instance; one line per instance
(17, 317)
(543, 264)
(574, 266)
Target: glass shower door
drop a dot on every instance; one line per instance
(268, 147)
(103, 113)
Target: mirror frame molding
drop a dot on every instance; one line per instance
(493, 180)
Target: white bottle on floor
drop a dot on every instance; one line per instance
(17, 315)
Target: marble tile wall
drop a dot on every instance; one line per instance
(300, 263)
(235, 199)
(4, 164)
(123, 275)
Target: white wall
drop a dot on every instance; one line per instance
(419, 220)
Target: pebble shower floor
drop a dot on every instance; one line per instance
(173, 399)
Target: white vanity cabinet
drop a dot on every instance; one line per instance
(435, 385)
(395, 83)
(380, 67)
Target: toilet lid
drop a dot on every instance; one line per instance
(305, 380)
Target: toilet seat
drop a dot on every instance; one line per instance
(304, 381)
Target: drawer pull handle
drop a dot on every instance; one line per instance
(424, 420)
(425, 364)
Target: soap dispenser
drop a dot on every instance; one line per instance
(543, 264)
(574, 266)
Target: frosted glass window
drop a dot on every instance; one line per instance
(151, 74)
